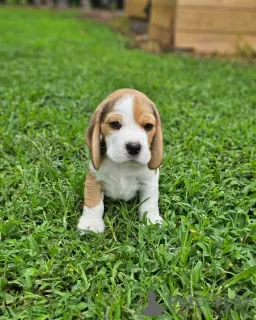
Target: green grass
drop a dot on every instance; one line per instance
(54, 70)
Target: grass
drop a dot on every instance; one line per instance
(55, 69)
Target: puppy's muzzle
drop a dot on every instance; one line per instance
(133, 148)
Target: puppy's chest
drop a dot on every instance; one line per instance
(118, 187)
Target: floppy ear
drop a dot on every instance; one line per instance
(156, 147)
(94, 142)
(93, 137)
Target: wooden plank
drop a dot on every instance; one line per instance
(161, 35)
(163, 3)
(205, 42)
(163, 16)
(219, 3)
(216, 20)
(136, 8)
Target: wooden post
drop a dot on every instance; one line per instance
(136, 9)
(161, 27)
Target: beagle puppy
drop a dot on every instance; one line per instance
(124, 138)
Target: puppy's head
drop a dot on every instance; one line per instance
(126, 127)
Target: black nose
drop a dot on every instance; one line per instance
(133, 148)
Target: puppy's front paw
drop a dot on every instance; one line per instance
(154, 219)
(94, 224)
(92, 219)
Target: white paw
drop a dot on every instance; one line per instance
(154, 219)
(92, 219)
(91, 224)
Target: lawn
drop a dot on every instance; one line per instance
(54, 71)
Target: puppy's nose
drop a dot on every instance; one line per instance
(133, 148)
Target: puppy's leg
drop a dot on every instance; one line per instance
(149, 199)
(92, 217)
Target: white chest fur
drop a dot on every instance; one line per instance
(121, 181)
(124, 188)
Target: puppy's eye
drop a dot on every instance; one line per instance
(148, 126)
(115, 125)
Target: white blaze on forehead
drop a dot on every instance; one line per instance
(125, 107)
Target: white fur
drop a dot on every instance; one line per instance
(92, 218)
(130, 132)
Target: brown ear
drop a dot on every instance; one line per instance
(157, 144)
(93, 137)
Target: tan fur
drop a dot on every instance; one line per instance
(105, 127)
(94, 130)
(92, 191)
(144, 108)
(144, 112)
(157, 144)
